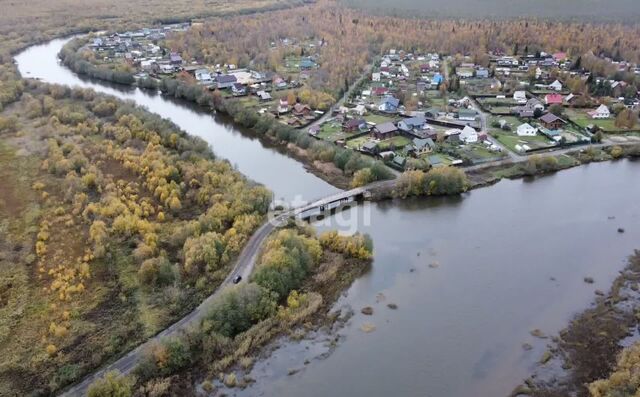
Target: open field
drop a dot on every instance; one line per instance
(580, 117)
(510, 140)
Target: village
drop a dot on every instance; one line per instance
(412, 110)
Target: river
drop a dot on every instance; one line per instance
(284, 176)
(471, 276)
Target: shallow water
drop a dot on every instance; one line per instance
(460, 324)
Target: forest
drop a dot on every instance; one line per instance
(594, 10)
(157, 218)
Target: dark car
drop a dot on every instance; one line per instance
(237, 279)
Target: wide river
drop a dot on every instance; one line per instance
(471, 276)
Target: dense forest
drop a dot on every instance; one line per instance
(595, 10)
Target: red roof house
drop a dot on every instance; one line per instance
(553, 99)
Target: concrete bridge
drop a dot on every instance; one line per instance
(331, 203)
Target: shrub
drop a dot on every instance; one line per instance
(285, 261)
(362, 177)
(156, 272)
(112, 385)
(239, 307)
(445, 181)
(616, 152)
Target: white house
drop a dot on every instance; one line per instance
(526, 130)
(602, 112)
(468, 135)
(360, 110)
(375, 76)
(203, 76)
(538, 72)
(556, 85)
(520, 96)
(283, 106)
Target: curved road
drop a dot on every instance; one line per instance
(244, 266)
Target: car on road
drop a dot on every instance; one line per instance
(237, 279)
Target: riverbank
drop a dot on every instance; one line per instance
(588, 348)
(534, 166)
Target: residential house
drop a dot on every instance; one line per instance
(283, 106)
(238, 89)
(314, 130)
(279, 83)
(380, 91)
(175, 59)
(225, 81)
(602, 112)
(437, 79)
(468, 135)
(165, 68)
(560, 56)
(520, 97)
(263, 95)
(432, 113)
(147, 64)
(526, 129)
(375, 76)
(570, 98)
(412, 123)
(389, 104)
(482, 73)
(422, 146)
(507, 61)
(551, 121)
(355, 125)
(553, 99)
(453, 135)
(301, 110)
(370, 147)
(360, 110)
(203, 76)
(551, 134)
(399, 161)
(464, 73)
(529, 109)
(556, 86)
(467, 115)
(385, 130)
(307, 63)
(435, 160)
